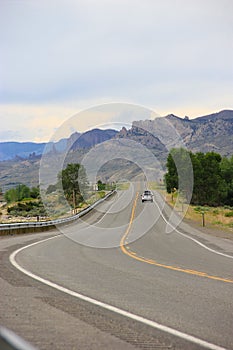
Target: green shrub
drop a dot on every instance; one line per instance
(215, 212)
(229, 214)
(101, 194)
(216, 222)
(32, 208)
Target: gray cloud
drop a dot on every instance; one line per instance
(57, 57)
(76, 49)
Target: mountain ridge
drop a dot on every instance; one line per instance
(12, 150)
(213, 132)
(204, 133)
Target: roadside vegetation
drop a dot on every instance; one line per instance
(21, 192)
(73, 188)
(220, 217)
(211, 202)
(70, 194)
(212, 177)
(23, 203)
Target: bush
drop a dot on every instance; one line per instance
(229, 214)
(35, 192)
(101, 194)
(51, 189)
(32, 208)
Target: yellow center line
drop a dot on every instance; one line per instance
(127, 250)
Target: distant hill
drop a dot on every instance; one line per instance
(26, 150)
(10, 150)
(212, 132)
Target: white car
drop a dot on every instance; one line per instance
(147, 196)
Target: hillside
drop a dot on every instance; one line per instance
(93, 137)
(9, 150)
(26, 150)
(212, 132)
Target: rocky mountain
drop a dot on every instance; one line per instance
(93, 137)
(212, 132)
(132, 148)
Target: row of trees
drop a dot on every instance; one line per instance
(20, 193)
(203, 178)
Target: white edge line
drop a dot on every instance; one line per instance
(111, 308)
(192, 239)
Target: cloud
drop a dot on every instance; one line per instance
(169, 55)
(86, 49)
(31, 123)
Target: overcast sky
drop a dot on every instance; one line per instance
(59, 57)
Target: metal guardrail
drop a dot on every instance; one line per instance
(42, 224)
(11, 341)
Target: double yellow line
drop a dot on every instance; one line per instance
(127, 250)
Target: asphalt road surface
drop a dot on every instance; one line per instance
(120, 278)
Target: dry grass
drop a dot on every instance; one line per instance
(214, 216)
(123, 186)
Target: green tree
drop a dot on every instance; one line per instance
(180, 172)
(209, 186)
(17, 194)
(73, 180)
(35, 192)
(227, 174)
(171, 177)
(212, 177)
(51, 189)
(101, 185)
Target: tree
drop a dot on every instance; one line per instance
(101, 185)
(171, 177)
(51, 189)
(73, 180)
(227, 174)
(17, 194)
(209, 186)
(180, 172)
(212, 176)
(35, 192)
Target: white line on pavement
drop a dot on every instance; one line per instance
(192, 239)
(117, 310)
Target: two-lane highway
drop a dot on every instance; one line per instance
(120, 255)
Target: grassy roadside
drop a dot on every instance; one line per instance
(29, 211)
(217, 217)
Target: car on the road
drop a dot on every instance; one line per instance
(147, 196)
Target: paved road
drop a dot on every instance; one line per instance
(122, 256)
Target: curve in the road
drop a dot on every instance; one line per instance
(111, 308)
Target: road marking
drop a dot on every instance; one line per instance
(108, 307)
(127, 250)
(192, 239)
